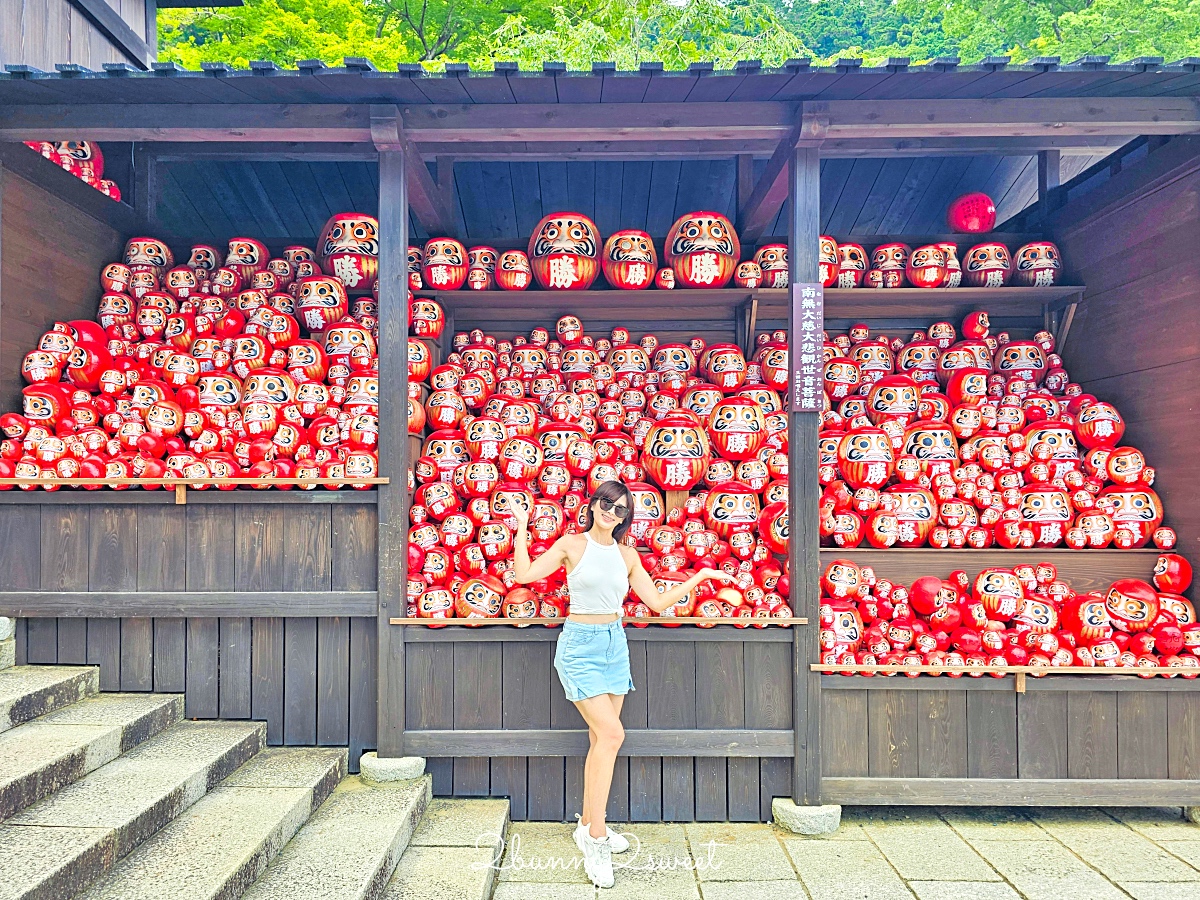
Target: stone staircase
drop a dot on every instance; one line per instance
(116, 797)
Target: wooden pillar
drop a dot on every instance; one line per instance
(387, 133)
(1048, 179)
(745, 178)
(804, 197)
(145, 186)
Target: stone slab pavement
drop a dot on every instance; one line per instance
(879, 853)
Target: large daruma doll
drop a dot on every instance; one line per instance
(703, 249)
(677, 452)
(564, 252)
(349, 248)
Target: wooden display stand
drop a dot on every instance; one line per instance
(279, 605)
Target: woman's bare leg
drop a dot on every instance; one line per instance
(618, 701)
(602, 715)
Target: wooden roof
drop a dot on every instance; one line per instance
(358, 82)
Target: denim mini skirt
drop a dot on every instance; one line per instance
(593, 659)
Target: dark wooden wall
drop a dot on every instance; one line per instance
(52, 255)
(1136, 338)
(502, 201)
(41, 33)
(730, 682)
(312, 679)
(1063, 727)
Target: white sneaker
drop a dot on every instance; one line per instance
(597, 858)
(618, 841)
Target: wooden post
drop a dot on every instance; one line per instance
(804, 195)
(386, 131)
(145, 186)
(1048, 180)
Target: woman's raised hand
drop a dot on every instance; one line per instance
(520, 513)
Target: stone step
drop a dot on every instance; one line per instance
(27, 692)
(39, 757)
(216, 849)
(454, 852)
(350, 847)
(60, 845)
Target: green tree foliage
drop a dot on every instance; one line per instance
(675, 32)
(629, 32)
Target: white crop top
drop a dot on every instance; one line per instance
(600, 582)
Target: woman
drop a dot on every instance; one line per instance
(592, 657)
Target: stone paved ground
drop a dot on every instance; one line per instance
(893, 853)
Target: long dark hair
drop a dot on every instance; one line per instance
(614, 491)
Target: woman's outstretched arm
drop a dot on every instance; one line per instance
(645, 590)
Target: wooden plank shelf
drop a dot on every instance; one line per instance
(344, 496)
(736, 308)
(697, 621)
(681, 308)
(1084, 570)
(922, 303)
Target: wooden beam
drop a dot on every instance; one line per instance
(1011, 791)
(187, 122)
(613, 123)
(607, 123)
(117, 30)
(424, 195)
(1010, 117)
(506, 151)
(763, 203)
(392, 567)
(171, 604)
(716, 742)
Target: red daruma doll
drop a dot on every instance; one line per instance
(629, 260)
(349, 249)
(564, 252)
(592, 656)
(703, 249)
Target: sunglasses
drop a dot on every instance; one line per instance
(609, 506)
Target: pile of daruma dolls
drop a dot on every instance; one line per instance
(957, 438)
(566, 252)
(1023, 616)
(232, 365)
(697, 433)
(83, 159)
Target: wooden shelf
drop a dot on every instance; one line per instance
(921, 303)
(736, 308)
(1084, 570)
(695, 621)
(543, 307)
